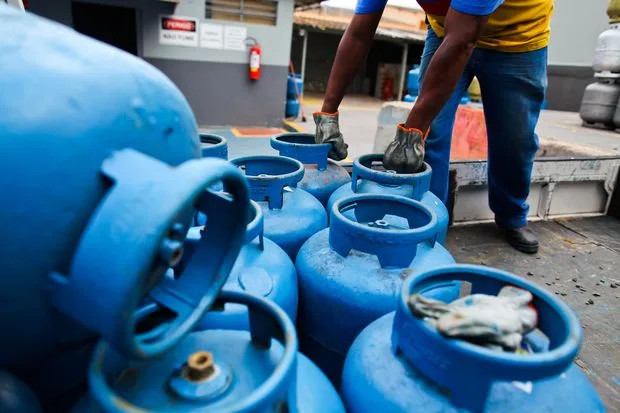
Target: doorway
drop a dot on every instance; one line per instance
(113, 25)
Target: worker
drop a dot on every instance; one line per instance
(503, 44)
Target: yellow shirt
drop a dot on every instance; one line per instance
(516, 26)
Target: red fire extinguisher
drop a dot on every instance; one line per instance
(255, 51)
(387, 88)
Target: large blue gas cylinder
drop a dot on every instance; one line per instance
(322, 176)
(262, 268)
(413, 81)
(367, 180)
(213, 146)
(94, 144)
(218, 371)
(291, 214)
(399, 363)
(351, 273)
(16, 396)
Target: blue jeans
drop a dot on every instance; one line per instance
(513, 90)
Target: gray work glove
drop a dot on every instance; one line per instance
(328, 131)
(487, 320)
(405, 154)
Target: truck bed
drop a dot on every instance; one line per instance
(579, 260)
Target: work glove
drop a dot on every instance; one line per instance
(328, 131)
(405, 154)
(491, 321)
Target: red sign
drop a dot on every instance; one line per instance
(178, 25)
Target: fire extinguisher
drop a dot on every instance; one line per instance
(255, 51)
(387, 88)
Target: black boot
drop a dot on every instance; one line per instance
(522, 239)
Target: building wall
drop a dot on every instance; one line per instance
(215, 82)
(575, 27)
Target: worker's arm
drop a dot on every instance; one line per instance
(463, 26)
(352, 51)
(462, 30)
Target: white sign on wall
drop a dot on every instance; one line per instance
(211, 36)
(178, 31)
(234, 38)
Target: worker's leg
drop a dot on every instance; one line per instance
(437, 145)
(513, 90)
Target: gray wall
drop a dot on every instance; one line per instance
(215, 82)
(566, 86)
(222, 94)
(575, 27)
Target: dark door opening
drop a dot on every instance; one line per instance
(110, 24)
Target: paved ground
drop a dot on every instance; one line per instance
(560, 133)
(578, 261)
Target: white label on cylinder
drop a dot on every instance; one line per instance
(254, 61)
(526, 386)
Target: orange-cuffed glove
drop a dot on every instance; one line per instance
(328, 131)
(405, 154)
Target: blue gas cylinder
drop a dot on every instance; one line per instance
(413, 81)
(218, 371)
(292, 108)
(401, 364)
(262, 268)
(322, 176)
(16, 396)
(97, 153)
(294, 86)
(213, 146)
(350, 274)
(368, 180)
(291, 214)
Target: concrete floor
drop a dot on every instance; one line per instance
(560, 133)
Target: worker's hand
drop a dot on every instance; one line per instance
(405, 154)
(328, 131)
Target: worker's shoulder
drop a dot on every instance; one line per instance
(370, 6)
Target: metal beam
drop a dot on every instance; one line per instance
(614, 201)
(403, 71)
(17, 3)
(303, 58)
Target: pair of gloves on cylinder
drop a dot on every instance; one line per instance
(405, 154)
